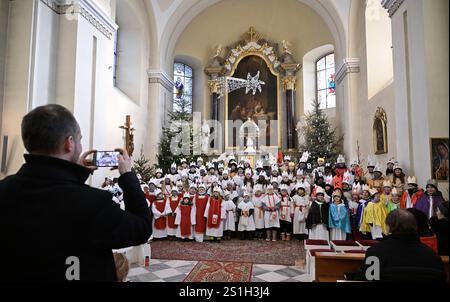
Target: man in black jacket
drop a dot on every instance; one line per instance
(402, 257)
(53, 227)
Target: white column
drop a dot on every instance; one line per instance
(17, 81)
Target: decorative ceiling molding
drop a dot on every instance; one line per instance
(160, 77)
(349, 65)
(391, 5)
(86, 8)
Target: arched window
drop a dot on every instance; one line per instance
(325, 81)
(182, 92)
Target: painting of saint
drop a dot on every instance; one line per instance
(439, 155)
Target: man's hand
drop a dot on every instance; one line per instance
(124, 161)
(88, 163)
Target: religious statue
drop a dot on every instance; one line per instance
(300, 128)
(286, 47)
(205, 134)
(129, 135)
(249, 148)
(217, 58)
(218, 51)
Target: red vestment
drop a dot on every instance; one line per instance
(173, 206)
(161, 222)
(215, 205)
(151, 197)
(200, 204)
(185, 221)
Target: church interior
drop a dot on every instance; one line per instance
(247, 78)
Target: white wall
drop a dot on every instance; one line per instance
(70, 64)
(384, 99)
(129, 48)
(421, 59)
(17, 80)
(378, 45)
(44, 77)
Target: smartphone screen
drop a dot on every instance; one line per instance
(106, 158)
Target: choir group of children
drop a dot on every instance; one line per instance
(328, 202)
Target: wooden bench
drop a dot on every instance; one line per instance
(445, 260)
(331, 267)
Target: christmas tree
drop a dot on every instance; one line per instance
(174, 144)
(320, 138)
(142, 167)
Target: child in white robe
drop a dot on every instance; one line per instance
(271, 206)
(258, 214)
(246, 222)
(301, 204)
(229, 222)
(185, 218)
(160, 209)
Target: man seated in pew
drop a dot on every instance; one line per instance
(402, 257)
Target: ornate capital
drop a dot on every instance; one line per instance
(291, 68)
(214, 86)
(349, 65)
(214, 71)
(289, 82)
(392, 6)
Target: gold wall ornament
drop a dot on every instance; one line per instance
(252, 35)
(214, 86)
(380, 139)
(129, 136)
(289, 82)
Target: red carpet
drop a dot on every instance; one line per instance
(255, 251)
(214, 271)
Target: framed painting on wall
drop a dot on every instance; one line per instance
(263, 105)
(439, 149)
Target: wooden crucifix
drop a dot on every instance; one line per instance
(129, 136)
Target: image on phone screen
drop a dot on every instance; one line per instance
(106, 158)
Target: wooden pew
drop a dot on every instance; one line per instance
(331, 267)
(445, 260)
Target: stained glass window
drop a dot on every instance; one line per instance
(182, 90)
(325, 84)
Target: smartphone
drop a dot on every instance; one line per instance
(106, 158)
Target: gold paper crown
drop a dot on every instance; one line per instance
(387, 183)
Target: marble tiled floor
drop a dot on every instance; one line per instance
(177, 270)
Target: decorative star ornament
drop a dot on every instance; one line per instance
(253, 83)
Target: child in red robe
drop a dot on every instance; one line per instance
(215, 214)
(173, 201)
(185, 218)
(201, 200)
(161, 209)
